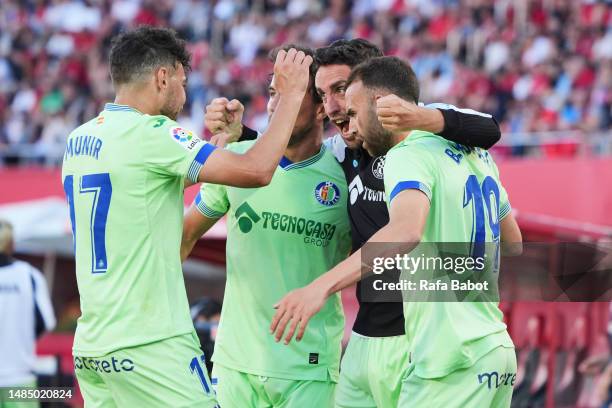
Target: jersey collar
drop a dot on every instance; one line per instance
(287, 164)
(114, 107)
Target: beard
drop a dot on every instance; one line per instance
(171, 107)
(170, 112)
(377, 139)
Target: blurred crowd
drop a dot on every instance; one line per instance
(537, 65)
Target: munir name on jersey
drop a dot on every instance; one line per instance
(83, 146)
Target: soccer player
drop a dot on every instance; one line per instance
(123, 174)
(376, 356)
(454, 347)
(280, 237)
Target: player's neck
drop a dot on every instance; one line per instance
(137, 99)
(308, 147)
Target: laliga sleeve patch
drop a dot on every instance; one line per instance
(185, 137)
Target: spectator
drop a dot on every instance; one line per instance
(25, 314)
(515, 59)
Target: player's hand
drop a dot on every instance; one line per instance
(222, 139)
(291, 72)
(398, 115)
(223, 116)
(295, 310)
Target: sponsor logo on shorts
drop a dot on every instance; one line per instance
(104, 365)
(313, 358)
(327, 193)
(495, 380)
(184, 137)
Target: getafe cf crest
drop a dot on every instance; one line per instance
(327, 193)
(377, 167)
(184, 137)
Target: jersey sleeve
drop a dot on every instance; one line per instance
(467, 126)
(504, 203)
(409, 167)
(173, 150)
(212, 200)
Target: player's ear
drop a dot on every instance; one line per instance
(161, 78)
(320, 112)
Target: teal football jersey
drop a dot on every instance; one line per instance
(468, 202)
(123, 175)
(281, 237)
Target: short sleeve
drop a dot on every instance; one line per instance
(504, 203)
(172, 150)
(409, 167)
(212, 200)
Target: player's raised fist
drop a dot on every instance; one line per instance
(224, 117)
(291, 72)
(397, 114)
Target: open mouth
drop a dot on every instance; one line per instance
(342, 125)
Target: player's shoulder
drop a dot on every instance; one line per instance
(162, 128)
(418, 142)
(330, 162)
(25, 269)
(158, 123)
(84, 128)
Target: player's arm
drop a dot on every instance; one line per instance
(209, 205)
(401, 234)
(465, 126)
(256, 167)
(195, 224)
(510, 236)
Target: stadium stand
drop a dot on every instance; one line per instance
(538, 65)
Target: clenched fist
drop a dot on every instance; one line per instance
(291, 72)
(398, 115)
(223, 119)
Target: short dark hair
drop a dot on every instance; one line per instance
(138, 52)
(347, 52)
(312, 70)
(388, 73)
